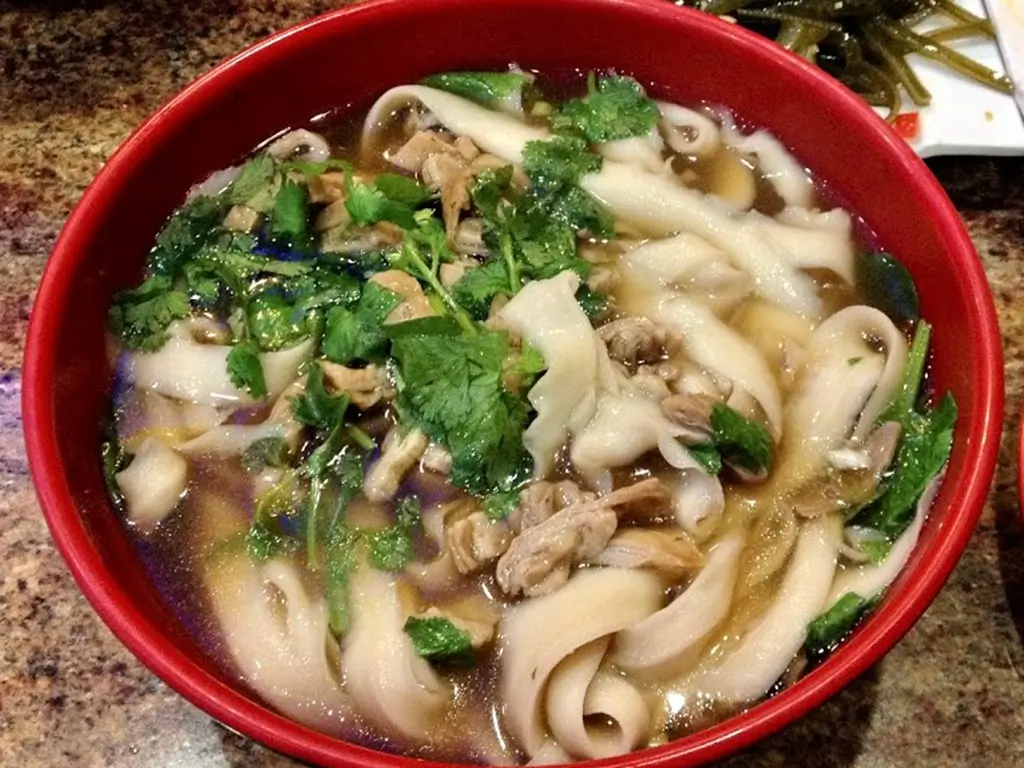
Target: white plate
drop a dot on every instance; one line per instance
(965, 118)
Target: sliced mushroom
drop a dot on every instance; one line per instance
(669, 552)
(399, 455)
(846, 489)
(692, 411)
(300, 143)
(365, 386)
(634, 340)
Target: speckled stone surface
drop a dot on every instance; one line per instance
(75, 78)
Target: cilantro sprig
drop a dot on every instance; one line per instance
(614, 108)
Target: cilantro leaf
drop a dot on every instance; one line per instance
(477, 288)
(274, 322)
(267, 536)
(265, 540)
(391, 548)
(903, 403)
(485, 88)
(114, 459)
(401, 189)
(139, 317)
(707, 455)
(580, 212)
(741, 441)
(315, 168)
(926, 440)
(256, 175)
(831, 627)
(925, 445)
(265, 452)
(438, 640)
(245, 370)
(889, 286)
(614, 108)
(593, 303)
(239, 263)
(452, 387)
(340, 554)
(498, 506)
(489, 189)
(560, 160)
(289, 220)
(315, 406)
(186, 232)
(358, 333)
(390, 198)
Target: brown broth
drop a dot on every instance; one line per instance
(468, 731)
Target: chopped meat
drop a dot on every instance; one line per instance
(412, 155)
(469, 238)
(450, 176)
(452, 272)
(383, 234)
(399, 455)
(436, 459)
(326, 187)
(467, 148)
(474, 541)
(634, 340)
(536, 504)
(334, 215)
(281, 412)
(670, 553)
(416, 303)
(365, 386)
(539, 559)
(690, 411)
(845, 489)
(568, 493)
(242, 218)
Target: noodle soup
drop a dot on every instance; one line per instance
(492, 427)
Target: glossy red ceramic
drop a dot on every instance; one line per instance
(352, 55)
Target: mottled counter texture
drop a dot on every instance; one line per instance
(75, 78)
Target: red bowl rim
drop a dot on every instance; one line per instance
(240, 713)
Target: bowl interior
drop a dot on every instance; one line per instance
(348, 58)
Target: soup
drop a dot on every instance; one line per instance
(495, 427)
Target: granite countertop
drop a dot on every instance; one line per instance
(75, 78)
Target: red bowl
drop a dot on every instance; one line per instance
(352, 55)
